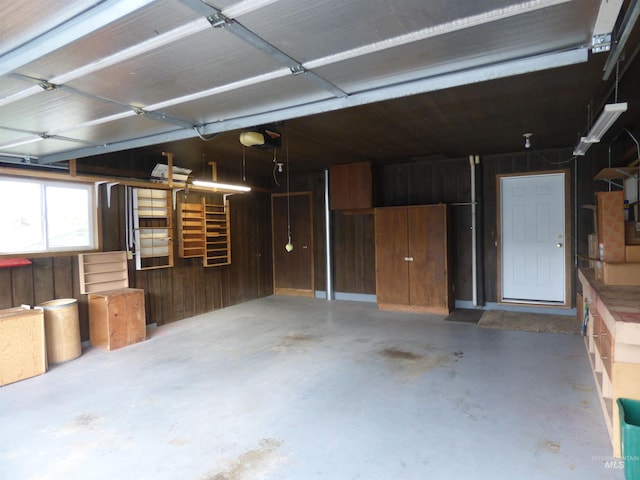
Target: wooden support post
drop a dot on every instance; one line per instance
(214, 171)
(72, 167)
(170, 165)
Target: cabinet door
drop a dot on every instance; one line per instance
(392, 270)
(360, 185)
(339, 187)
(428, 276)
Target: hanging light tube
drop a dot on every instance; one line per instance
(221, 186)
(606, 119)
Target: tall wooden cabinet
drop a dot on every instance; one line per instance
(413, 259)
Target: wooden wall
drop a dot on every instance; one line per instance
(189, 289)
(171, 294)
(448, 181)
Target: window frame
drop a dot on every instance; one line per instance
(92, 190)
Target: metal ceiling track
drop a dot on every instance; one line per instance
(428, 79)
(218, 20)
(97, 17)
(423, 85)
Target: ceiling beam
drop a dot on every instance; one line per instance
(68, 32)
(418, 86)
(218, 19)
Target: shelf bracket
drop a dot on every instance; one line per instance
(97, 191)
(110, 185)
(174, 193)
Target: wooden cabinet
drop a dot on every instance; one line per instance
(22, 344)
(117, 318)
(613, 342)
(413, 259)
(351, 186)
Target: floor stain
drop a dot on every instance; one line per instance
(179, 442)
(550, 446)
(394, 354)
(582, 388)
(253, 464)
(297, 342)
(85, 420)
(459, 354)
(586, 404)
(411, 364)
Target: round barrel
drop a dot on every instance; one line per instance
(62, 329)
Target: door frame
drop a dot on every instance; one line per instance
(302, 292)
(567, 235)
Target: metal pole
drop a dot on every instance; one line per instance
(474, 236)
(327, 231)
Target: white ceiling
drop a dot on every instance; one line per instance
(90, 77)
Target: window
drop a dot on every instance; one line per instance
(46, 216)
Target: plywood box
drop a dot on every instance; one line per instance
(23, 351)
(611, 233)
(620, 273)
(632, 253)
(117, 318)
(632, 233)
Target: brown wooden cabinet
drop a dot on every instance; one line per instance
(413, 259)
(117, 318)
(351, 186)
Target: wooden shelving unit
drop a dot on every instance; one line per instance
(102, 271)
(152, 228)
(217, 235)
(191, 229)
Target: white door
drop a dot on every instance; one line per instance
(533, 239)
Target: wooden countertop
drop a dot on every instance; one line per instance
(622, 301)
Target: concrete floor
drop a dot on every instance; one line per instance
(293, 388)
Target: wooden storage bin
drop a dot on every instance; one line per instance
(117, 318)
(22, 344)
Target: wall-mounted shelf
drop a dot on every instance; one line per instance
(191, 229)
(217, 235)
(102, 271)
(153, 229)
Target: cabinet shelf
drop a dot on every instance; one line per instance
(153, 229)
(217, 235)
(102, 271)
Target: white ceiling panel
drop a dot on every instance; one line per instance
(143, 24)
(24, 20)
(509, 39)
(272, 96)
(317, 29)
(202, 61)
(50, 111)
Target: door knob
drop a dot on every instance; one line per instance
(559, 245)
(408, 259)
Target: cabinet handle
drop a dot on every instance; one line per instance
(408, 259)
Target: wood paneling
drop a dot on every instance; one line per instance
(294, 270)
(170, 294)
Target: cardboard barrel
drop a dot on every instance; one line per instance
(62, 329)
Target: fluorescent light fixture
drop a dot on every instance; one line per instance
(221, 186)
(582, 147)
(607, 118)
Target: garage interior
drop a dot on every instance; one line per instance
(300, 350)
